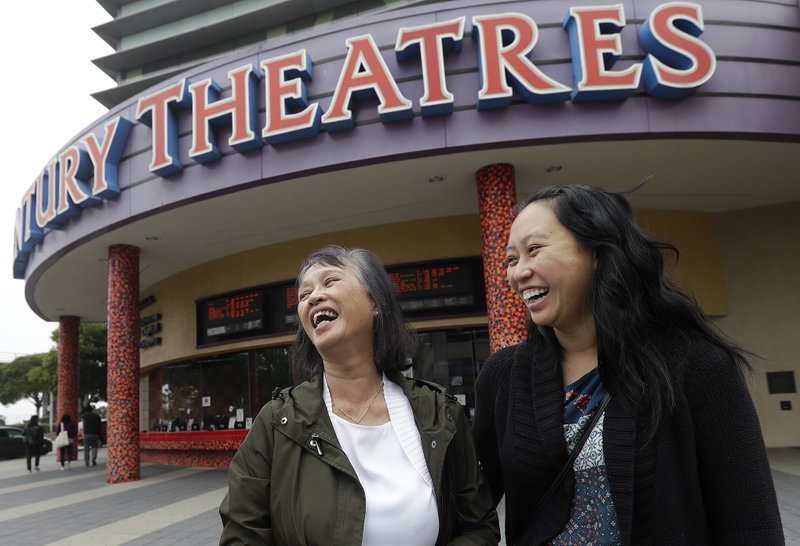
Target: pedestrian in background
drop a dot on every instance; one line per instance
(91, 434)
(65, 452)
(34, 437)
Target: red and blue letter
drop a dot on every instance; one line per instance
(429, 43)
(289, 116)
(240, 110)
(595, 45)
(677, 62)
(105, 156)
(364, 73)
(157, 111)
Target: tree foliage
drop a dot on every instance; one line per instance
(32, 376)
(93, 371)
(24, 378)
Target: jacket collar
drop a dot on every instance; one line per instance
(428, 402)
(537, 395)
(306, 415)
(303, 413)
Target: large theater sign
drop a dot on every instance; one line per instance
(676, 62)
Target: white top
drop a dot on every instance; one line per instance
(390, 464)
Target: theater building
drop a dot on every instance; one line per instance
(243, 135)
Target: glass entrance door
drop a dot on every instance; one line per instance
(453, 359)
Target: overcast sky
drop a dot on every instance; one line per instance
(47, 77)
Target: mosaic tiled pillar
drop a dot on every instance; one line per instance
(68, 366)
(497, 201)
(123, 364)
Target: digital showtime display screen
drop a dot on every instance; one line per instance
(425, 290)
(440, 288)
(255, 312)
(233, 314)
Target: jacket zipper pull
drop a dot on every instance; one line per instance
(316, 444)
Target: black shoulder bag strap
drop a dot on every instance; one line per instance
(587, 430)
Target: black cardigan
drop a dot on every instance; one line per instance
(704, 480)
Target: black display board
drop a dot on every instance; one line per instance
(439, 289)
(255, 312)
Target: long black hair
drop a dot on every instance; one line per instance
(643, 320)
(393, 339)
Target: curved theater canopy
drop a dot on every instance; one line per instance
(343, 126)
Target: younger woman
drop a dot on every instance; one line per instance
(677, 457)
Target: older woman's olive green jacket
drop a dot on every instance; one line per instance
(291, 483)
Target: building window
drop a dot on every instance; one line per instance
(226, 391)
(452, 358)
(781, 382)
(217, 392)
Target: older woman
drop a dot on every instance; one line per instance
(677, 457)
(356, 453)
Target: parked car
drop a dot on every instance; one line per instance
(12, 443)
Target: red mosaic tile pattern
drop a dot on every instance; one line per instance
(68, 367)
(204, 448)
(497, 200)
(123, 364)
(206, 439)
(217, 459)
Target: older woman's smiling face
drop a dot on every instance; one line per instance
(335, 310)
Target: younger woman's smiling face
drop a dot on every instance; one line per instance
(335, 310)
(550, 269)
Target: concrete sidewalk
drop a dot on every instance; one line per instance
(169, 505)
(178, 505)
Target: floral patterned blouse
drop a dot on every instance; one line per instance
(593, 519)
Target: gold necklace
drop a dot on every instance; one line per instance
(372, 401)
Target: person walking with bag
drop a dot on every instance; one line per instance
(66, 432)
(34, 436)
(676, 456)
